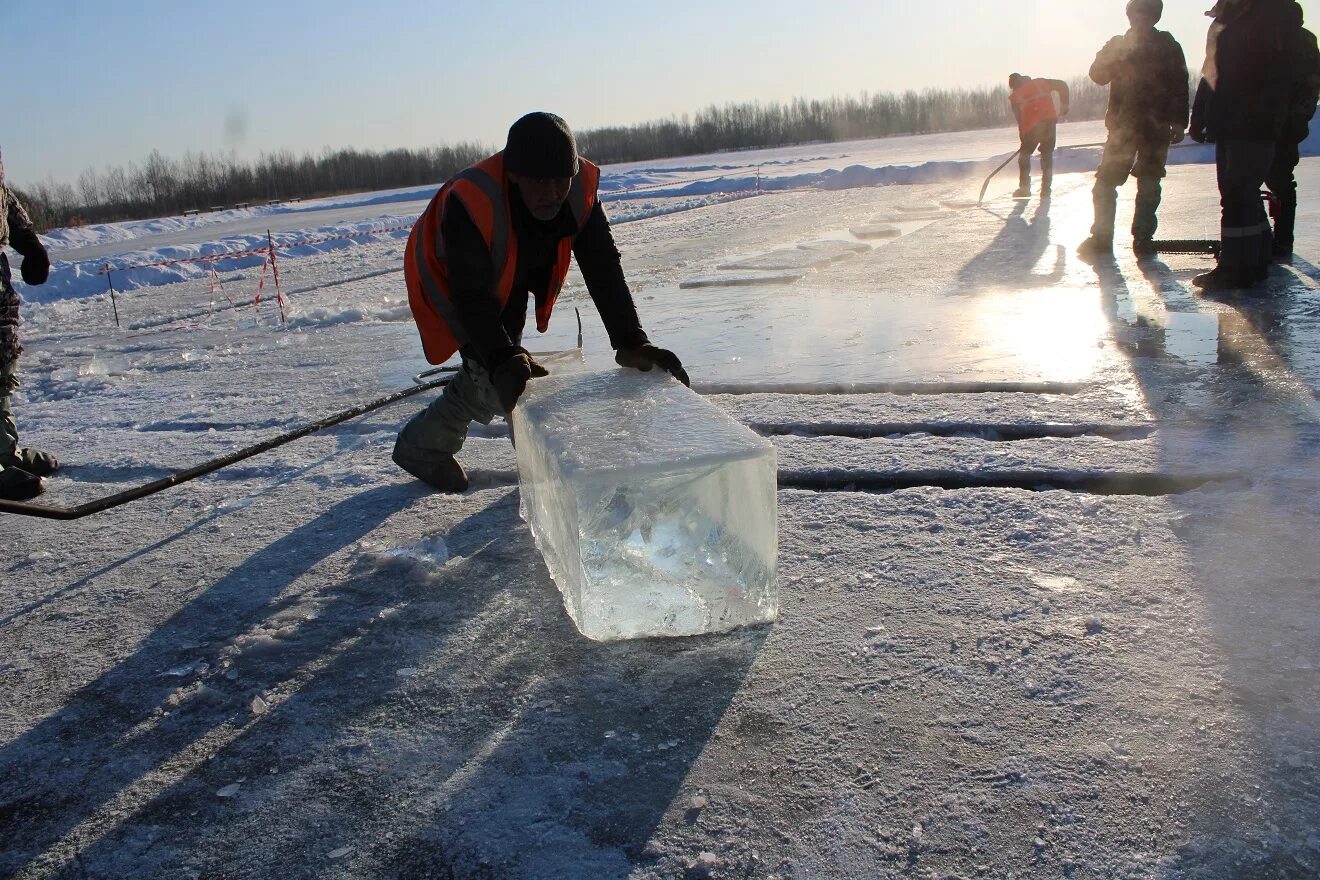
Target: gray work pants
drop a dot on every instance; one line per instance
(442, 427)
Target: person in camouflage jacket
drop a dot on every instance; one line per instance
(1148, 91)
(21, 469)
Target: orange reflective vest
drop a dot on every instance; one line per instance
(1035, 101)
(483, 191)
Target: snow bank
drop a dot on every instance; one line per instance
(105, 233)
(167, 265)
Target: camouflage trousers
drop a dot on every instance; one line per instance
(9, 351)
(8, 428)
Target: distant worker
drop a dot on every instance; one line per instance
(1038, 118)
(21, 469)
(1148, 96)
(1253, 68)
(1301, 109)
(495, 234)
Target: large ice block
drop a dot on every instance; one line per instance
(654, 510)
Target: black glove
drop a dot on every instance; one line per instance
(511, 376)
(36, 266)
(1176, 135)
(1197, 133)
(645, 356)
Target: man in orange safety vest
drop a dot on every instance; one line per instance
(498, 234)
(1038, 117)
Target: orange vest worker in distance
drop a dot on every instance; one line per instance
(497, 234)
(1033, 105)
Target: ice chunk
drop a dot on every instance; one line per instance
(876, 230)
(742, 280)
(654, 510)
(785, 258)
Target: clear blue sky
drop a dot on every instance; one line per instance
(103, 82)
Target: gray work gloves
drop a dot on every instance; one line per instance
(511, 375)
(645, 356)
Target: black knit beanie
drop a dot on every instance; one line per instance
(541, 145)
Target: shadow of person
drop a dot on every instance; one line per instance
(1013, 257)
(1248, 546)
(466, 730)
(126, 725)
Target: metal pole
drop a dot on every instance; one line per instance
(275, 268)
(111, 285)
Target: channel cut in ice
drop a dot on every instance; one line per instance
(654, 510)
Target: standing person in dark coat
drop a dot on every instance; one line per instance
(1147, 78)
(496, 234)
(1038, 121)
(21, 469)
(1250, 75)
(1306, 92)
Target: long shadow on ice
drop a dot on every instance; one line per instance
(1251, 558)
(112, 734)
(459, 726)
(1013, 257)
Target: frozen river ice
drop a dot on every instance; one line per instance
(308, 665)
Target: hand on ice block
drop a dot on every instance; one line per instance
(511, 376)
(644, 357)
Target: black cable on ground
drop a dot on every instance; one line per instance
(27, 508)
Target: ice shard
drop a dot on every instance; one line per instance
(654, 510)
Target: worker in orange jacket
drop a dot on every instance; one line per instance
(1038, 118)
(497, 234)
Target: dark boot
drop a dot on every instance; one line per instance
(1104, 199)
(17, 484)
(1144, 215)
(1143, 247)
(439, 470)
(34, 461)
(1095, 246)
(1225, 278)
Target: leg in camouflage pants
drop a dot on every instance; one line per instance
(9, 351)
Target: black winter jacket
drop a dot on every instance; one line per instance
(1253, 67)
(1147, 78)
(493, 333)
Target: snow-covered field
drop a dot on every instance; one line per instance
(1048, 572)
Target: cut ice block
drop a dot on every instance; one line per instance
(876, 230)
(748, 280)
(654, 510)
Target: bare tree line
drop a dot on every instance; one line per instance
(750, 125)
(162, 186)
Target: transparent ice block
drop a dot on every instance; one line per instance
(654, 510)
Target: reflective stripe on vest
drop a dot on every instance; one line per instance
(482, 189)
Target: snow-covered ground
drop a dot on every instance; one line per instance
(1048, 573)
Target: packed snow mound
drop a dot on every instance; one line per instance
(169, 264)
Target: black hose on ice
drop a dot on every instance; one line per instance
(27, 508)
